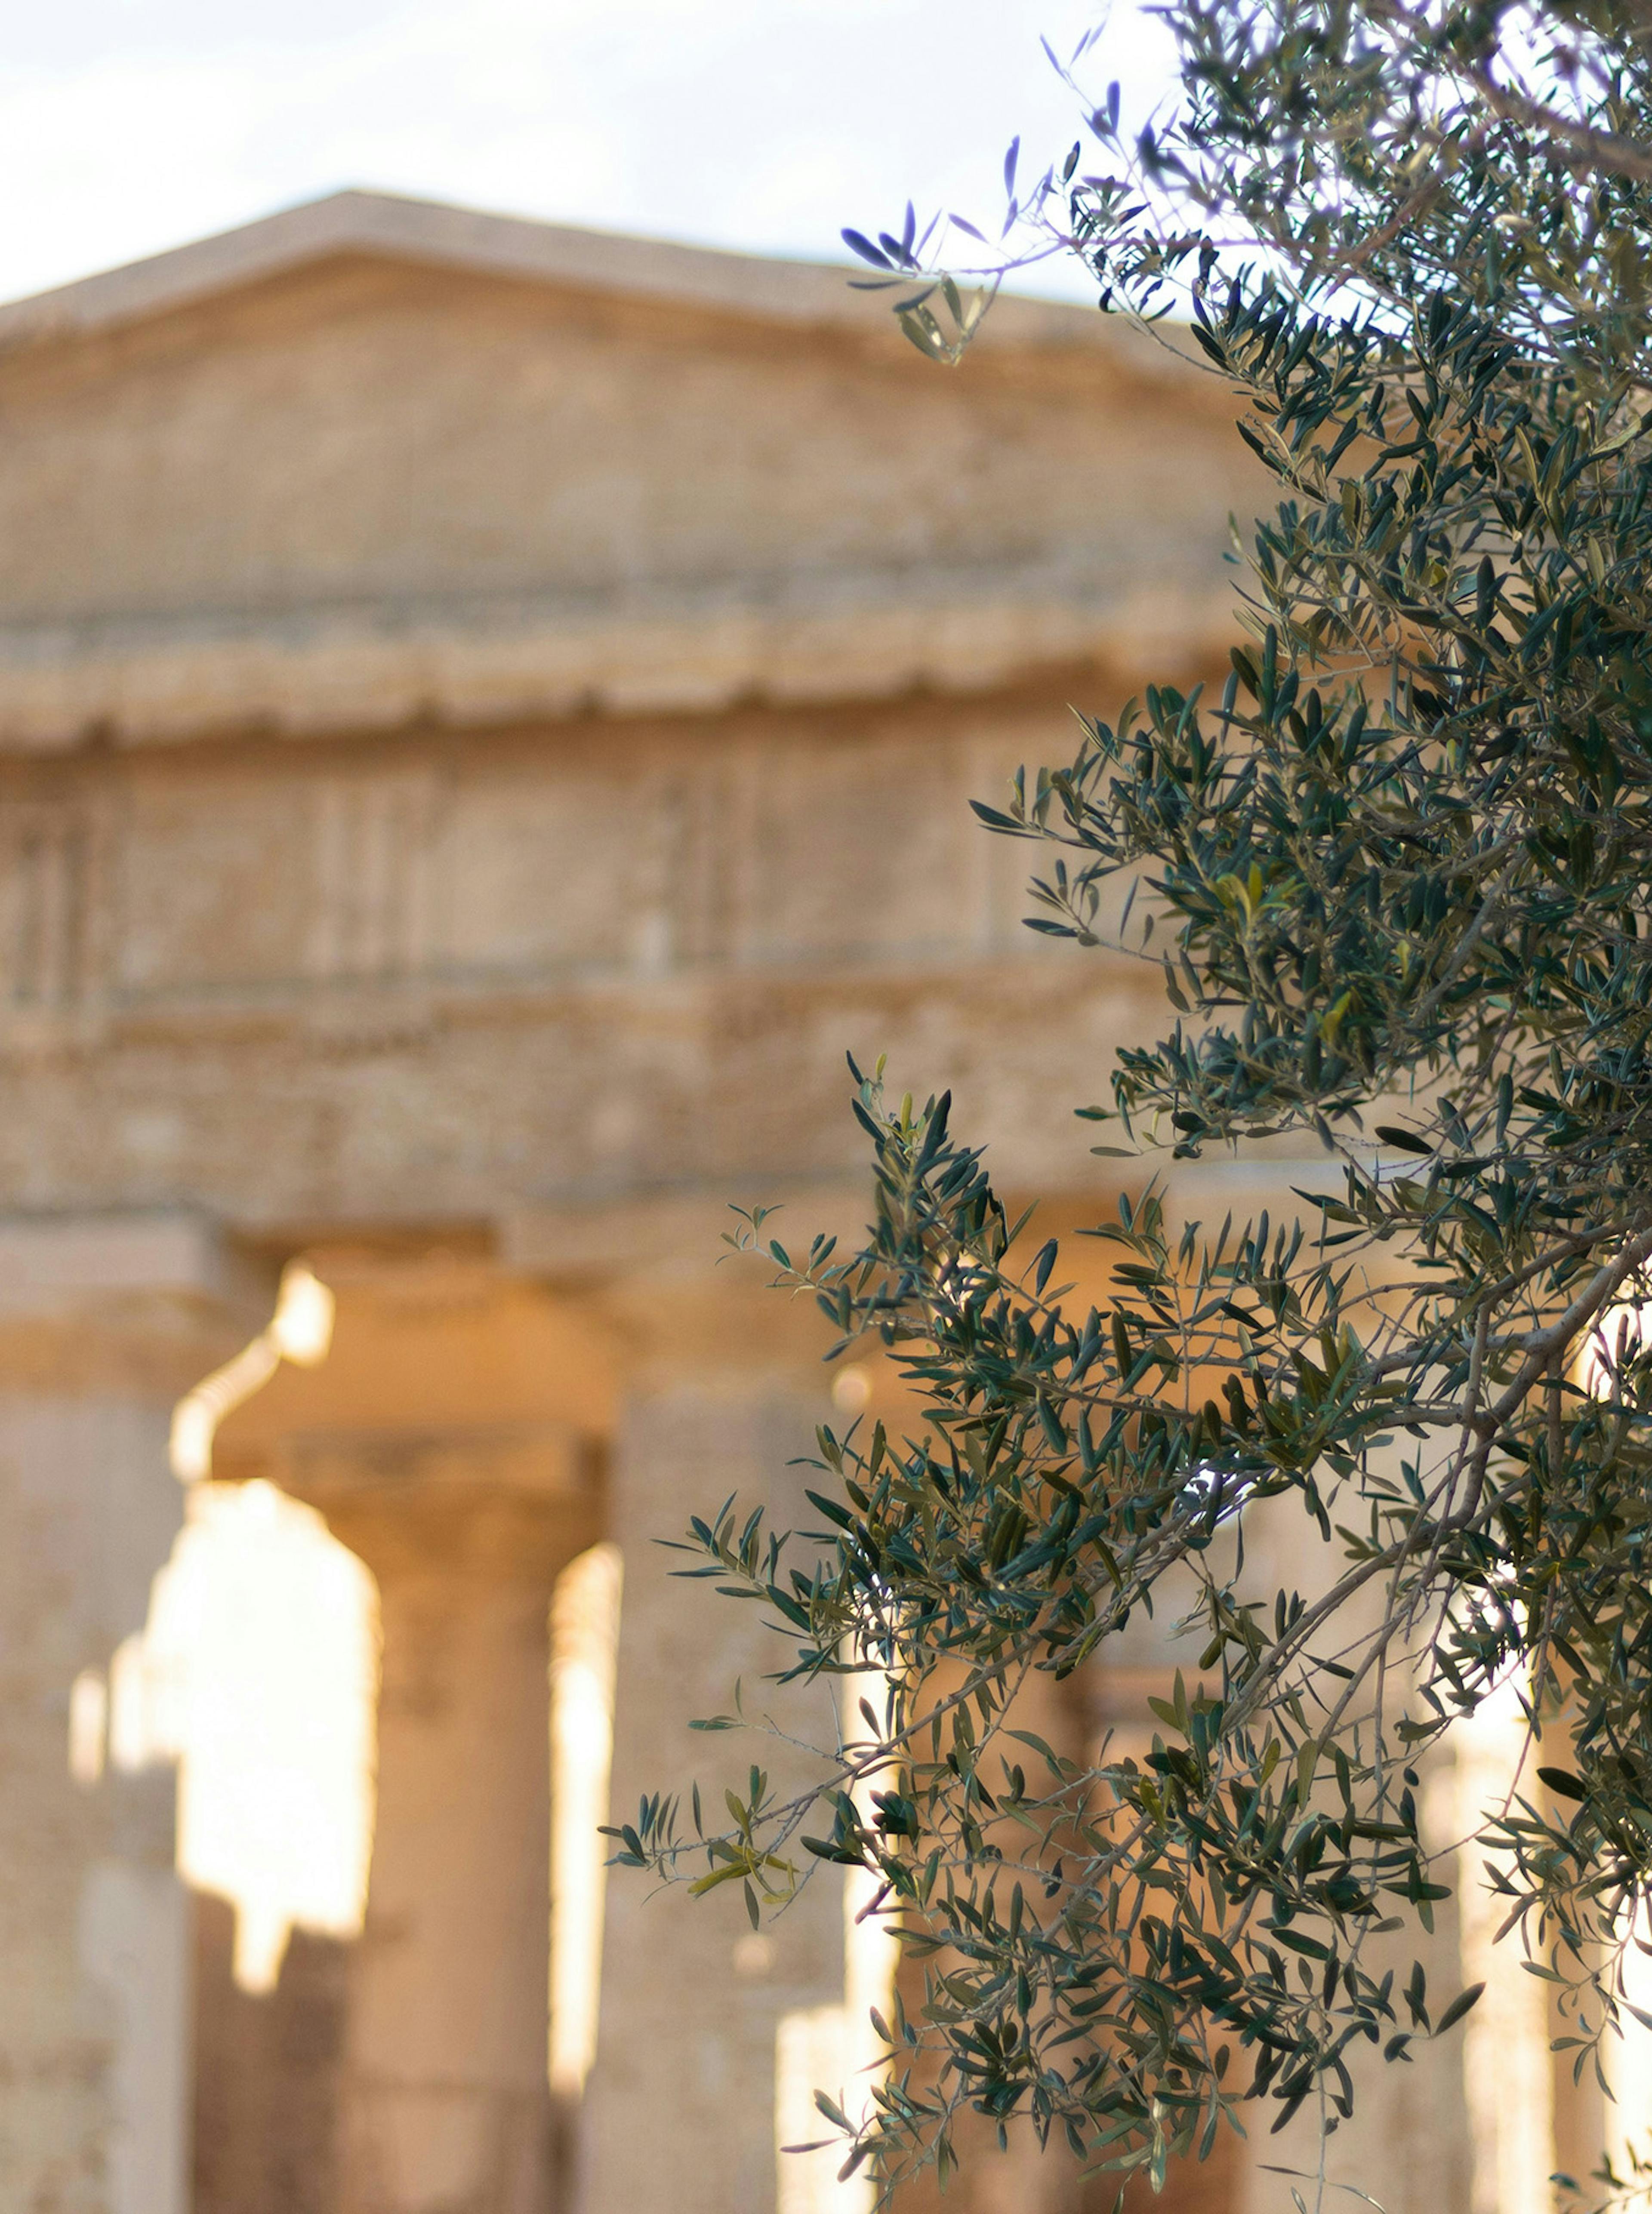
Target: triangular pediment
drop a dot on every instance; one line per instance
(375, 460)
(434, 234)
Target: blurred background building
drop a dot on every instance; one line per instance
(487, 718)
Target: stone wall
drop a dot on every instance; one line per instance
(294, 985)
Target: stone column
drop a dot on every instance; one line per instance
(444, 2101)
(680, 2106)
(104, 1322)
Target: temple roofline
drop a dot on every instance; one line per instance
(434, 233)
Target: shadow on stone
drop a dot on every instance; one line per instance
(266, 2076)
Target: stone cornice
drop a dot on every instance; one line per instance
(362, 667)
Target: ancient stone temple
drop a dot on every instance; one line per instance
(487, 714)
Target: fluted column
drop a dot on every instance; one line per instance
(681, 2108)
(104, 1321)
(444, 2101)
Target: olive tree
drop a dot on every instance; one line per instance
(1397, 871)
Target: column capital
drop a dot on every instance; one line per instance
(505, 1501)
(135, 1302)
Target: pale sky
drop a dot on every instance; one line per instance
(130, 125)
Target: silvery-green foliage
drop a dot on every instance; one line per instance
(1398, 872)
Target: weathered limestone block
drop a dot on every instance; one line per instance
(103, 1321)
(543, 965)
